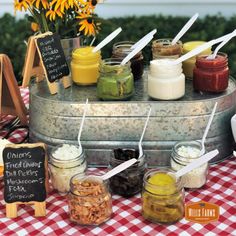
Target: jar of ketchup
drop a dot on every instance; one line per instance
(211, 75)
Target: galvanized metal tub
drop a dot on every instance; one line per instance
(55, 119)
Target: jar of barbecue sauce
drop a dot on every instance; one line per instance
(211, 75)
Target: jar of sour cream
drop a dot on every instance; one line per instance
(116, 81)
(85, 66)
(162, 197)
(165, 80)
(184, 153)
(65, 161)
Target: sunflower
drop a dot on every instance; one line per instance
(62, 4)
(22, 4)
(87, 25)
(44, 3)
(51, 14)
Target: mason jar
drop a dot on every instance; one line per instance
(85, 66)
(65, 161)
(185, 152)
(162, 48)
(116, 81)
(122, 49)
(189, 64)
(128, 182)
(89, 200)
(162, 197)
(211, 75)
(166, 81)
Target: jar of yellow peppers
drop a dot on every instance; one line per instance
(162, 197)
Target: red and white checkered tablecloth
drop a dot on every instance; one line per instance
(127, 219)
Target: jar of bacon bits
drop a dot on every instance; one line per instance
(89, 200)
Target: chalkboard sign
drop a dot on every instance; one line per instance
(53, 57)
(24, 173)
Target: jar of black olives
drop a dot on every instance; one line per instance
(128, 182)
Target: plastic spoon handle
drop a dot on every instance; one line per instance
(226, 40)
(107, 39)
(119, 168)
(82, 122)
(144, 129)
(200, 161)
(144, 38)
(209, 124)
(136, 50)
(185, 28)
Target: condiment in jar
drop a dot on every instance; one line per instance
(211, 75)
(128, 182)
(89, 200)
(162, 48)
(189, 64)
(85, 66)
(162, 197)
(65, 161)
(122, 49)
(165, 80)
(116, 81)
(184, 153)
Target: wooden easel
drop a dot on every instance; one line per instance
(34, 66)
(39, 208)
(10, 97)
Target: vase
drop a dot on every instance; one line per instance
(68, 45)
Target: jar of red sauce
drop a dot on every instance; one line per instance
(211, 75)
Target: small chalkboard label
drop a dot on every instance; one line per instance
(53, 57)
(24, 174)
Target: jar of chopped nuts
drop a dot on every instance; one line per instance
(89, 200)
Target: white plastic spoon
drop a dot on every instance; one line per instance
(82, 123)
(199, 49)
(107, 39)
(136, 50)
(207, 129)
(198, 162)
(184, 29)
(144, 38)
(226, 40)
(141, 138)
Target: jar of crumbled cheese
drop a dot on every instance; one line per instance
(66, 161)
(182, 154)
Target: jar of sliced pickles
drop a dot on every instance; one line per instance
(116, 81)
(162, 48)
(122, 49)
(128, 182)
(89, 200)
(162, 197)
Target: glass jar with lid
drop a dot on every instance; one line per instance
(162, 48)
(89, 200)
(183, 153)
(122, 49)
(85, 66)
(211, 75)
(162, 196)
(128, 182)
(65, 161)
(116, 81)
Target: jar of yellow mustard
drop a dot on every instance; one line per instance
(162, 197)
(189, 64)
(85, 66)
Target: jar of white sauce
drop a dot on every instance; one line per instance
(66, 161)
(184, 153)
(165, 80)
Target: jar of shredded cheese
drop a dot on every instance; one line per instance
(182, 154)
(65, 161)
